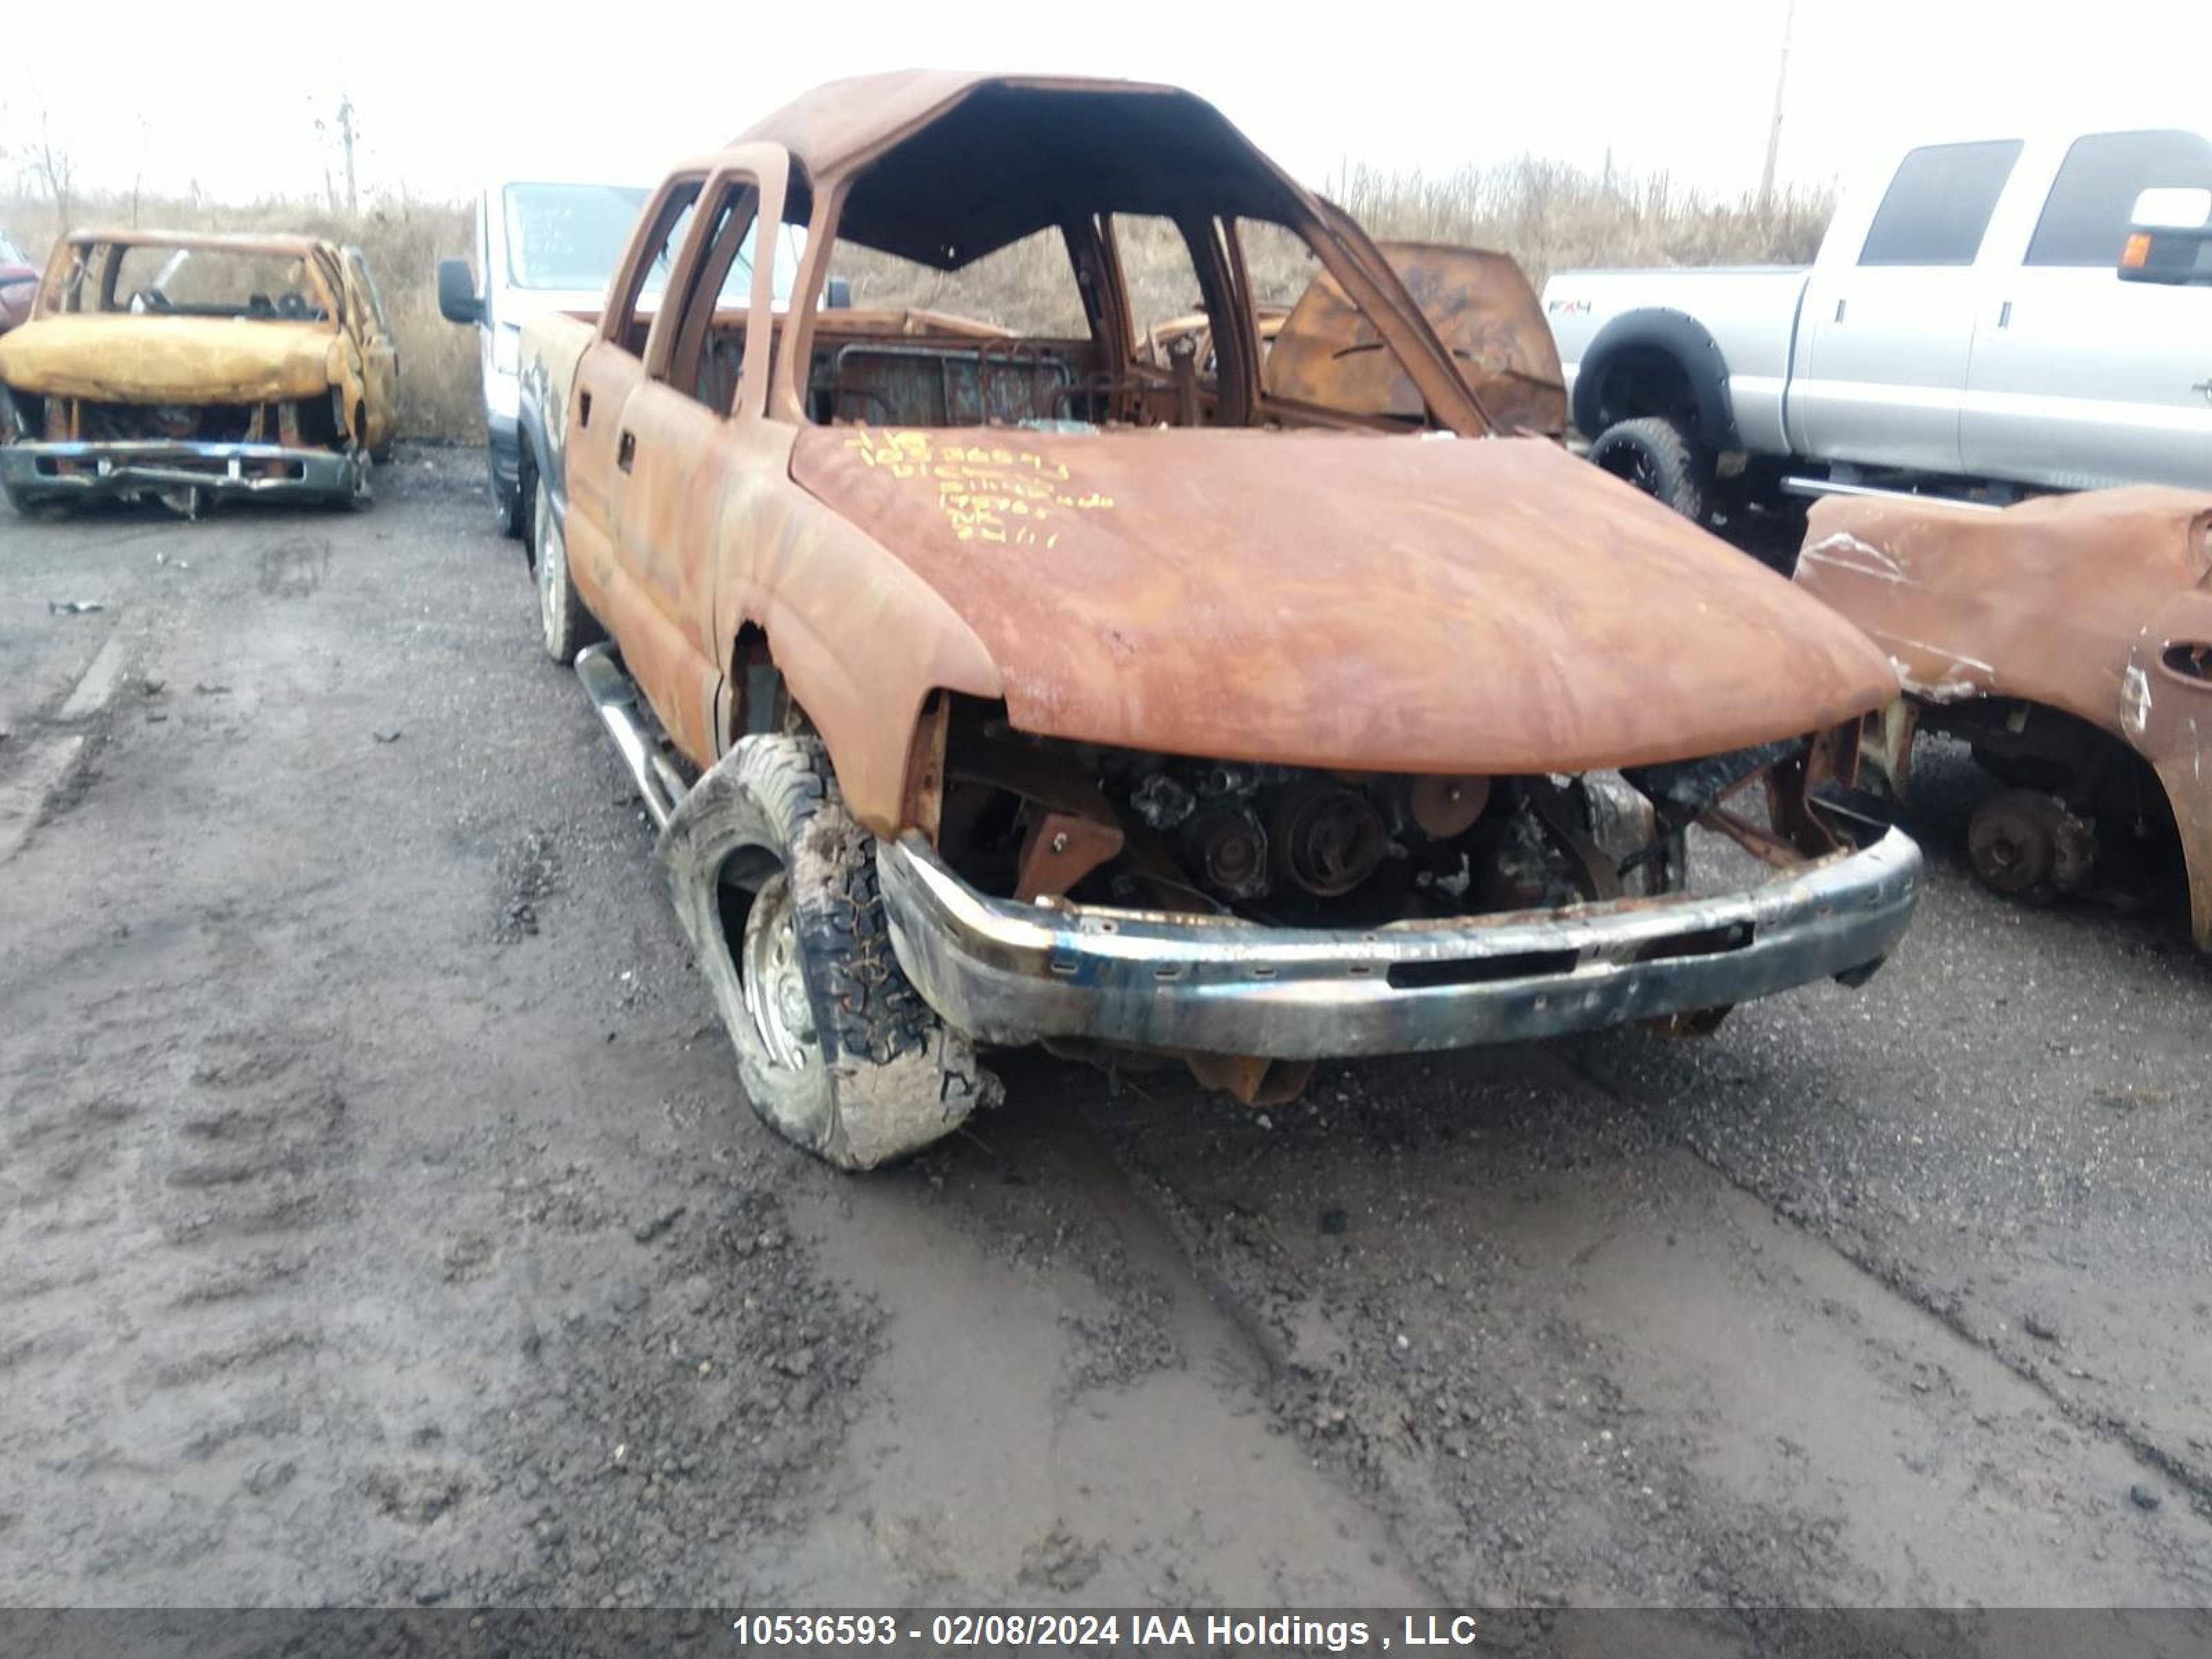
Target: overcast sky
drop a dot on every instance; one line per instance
(446, 96)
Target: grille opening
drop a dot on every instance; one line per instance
(1481, 970)
(1701, 942)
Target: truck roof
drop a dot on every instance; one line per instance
(297, 247)
(955, 164)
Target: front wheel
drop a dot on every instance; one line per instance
(775, 886)
(1660, 459)
(565, 626)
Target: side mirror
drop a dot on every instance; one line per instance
(838, 296)
(457, 292)
(2170, 237)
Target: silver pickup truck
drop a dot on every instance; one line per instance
(1967, 327)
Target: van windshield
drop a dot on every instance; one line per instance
(573, 236)
(568, 236)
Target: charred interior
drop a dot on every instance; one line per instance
(1037, 819)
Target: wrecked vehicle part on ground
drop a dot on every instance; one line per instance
(190, 368)
(1279, 705)
(2069, 640)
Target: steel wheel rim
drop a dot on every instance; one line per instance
(774, 983)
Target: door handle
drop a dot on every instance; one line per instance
(2204, 389)
(2004, 315)
(1839, 311)
(626, 451)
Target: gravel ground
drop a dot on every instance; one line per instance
(381, 1223)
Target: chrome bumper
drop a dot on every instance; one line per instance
(1006, 972)
(57, 471)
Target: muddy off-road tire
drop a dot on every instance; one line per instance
(564, 625)
(775, 885)
(1652, 453)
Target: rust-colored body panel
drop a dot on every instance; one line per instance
(165, 360)
(1340, 600)
(114, 356)
(1483, 309)
(763, 552)
(2086, 604)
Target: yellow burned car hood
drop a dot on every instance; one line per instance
(169, 360)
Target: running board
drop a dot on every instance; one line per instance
(632, 728)
(1816, 487)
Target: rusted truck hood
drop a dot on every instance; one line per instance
(1346, 601)
(164, 360)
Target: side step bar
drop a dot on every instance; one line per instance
(1818, 486)
(631, 725)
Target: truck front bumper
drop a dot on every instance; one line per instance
(1007, 972)
(62, 472)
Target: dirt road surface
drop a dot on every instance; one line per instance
(379, 1221)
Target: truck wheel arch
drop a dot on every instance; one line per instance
(1672, 344)
(797, 578)
(533, 461)
(759, 698)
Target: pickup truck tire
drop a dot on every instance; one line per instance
(1654, 454)
(775, 886)
(565, 625)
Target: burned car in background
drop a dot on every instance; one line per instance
(188, 367)
(2069, 641)
(19, 283)
(999, 687)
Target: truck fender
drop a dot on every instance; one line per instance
(1681, 338)
(539, 460)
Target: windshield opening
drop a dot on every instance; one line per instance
(151, 279)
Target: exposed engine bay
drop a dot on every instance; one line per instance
(1039, 820)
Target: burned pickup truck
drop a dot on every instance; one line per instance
(997, 687)
(188, 367)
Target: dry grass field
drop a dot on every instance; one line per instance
(1548, 216)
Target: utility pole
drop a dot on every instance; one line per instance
(1773, 127)
(353, 199)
